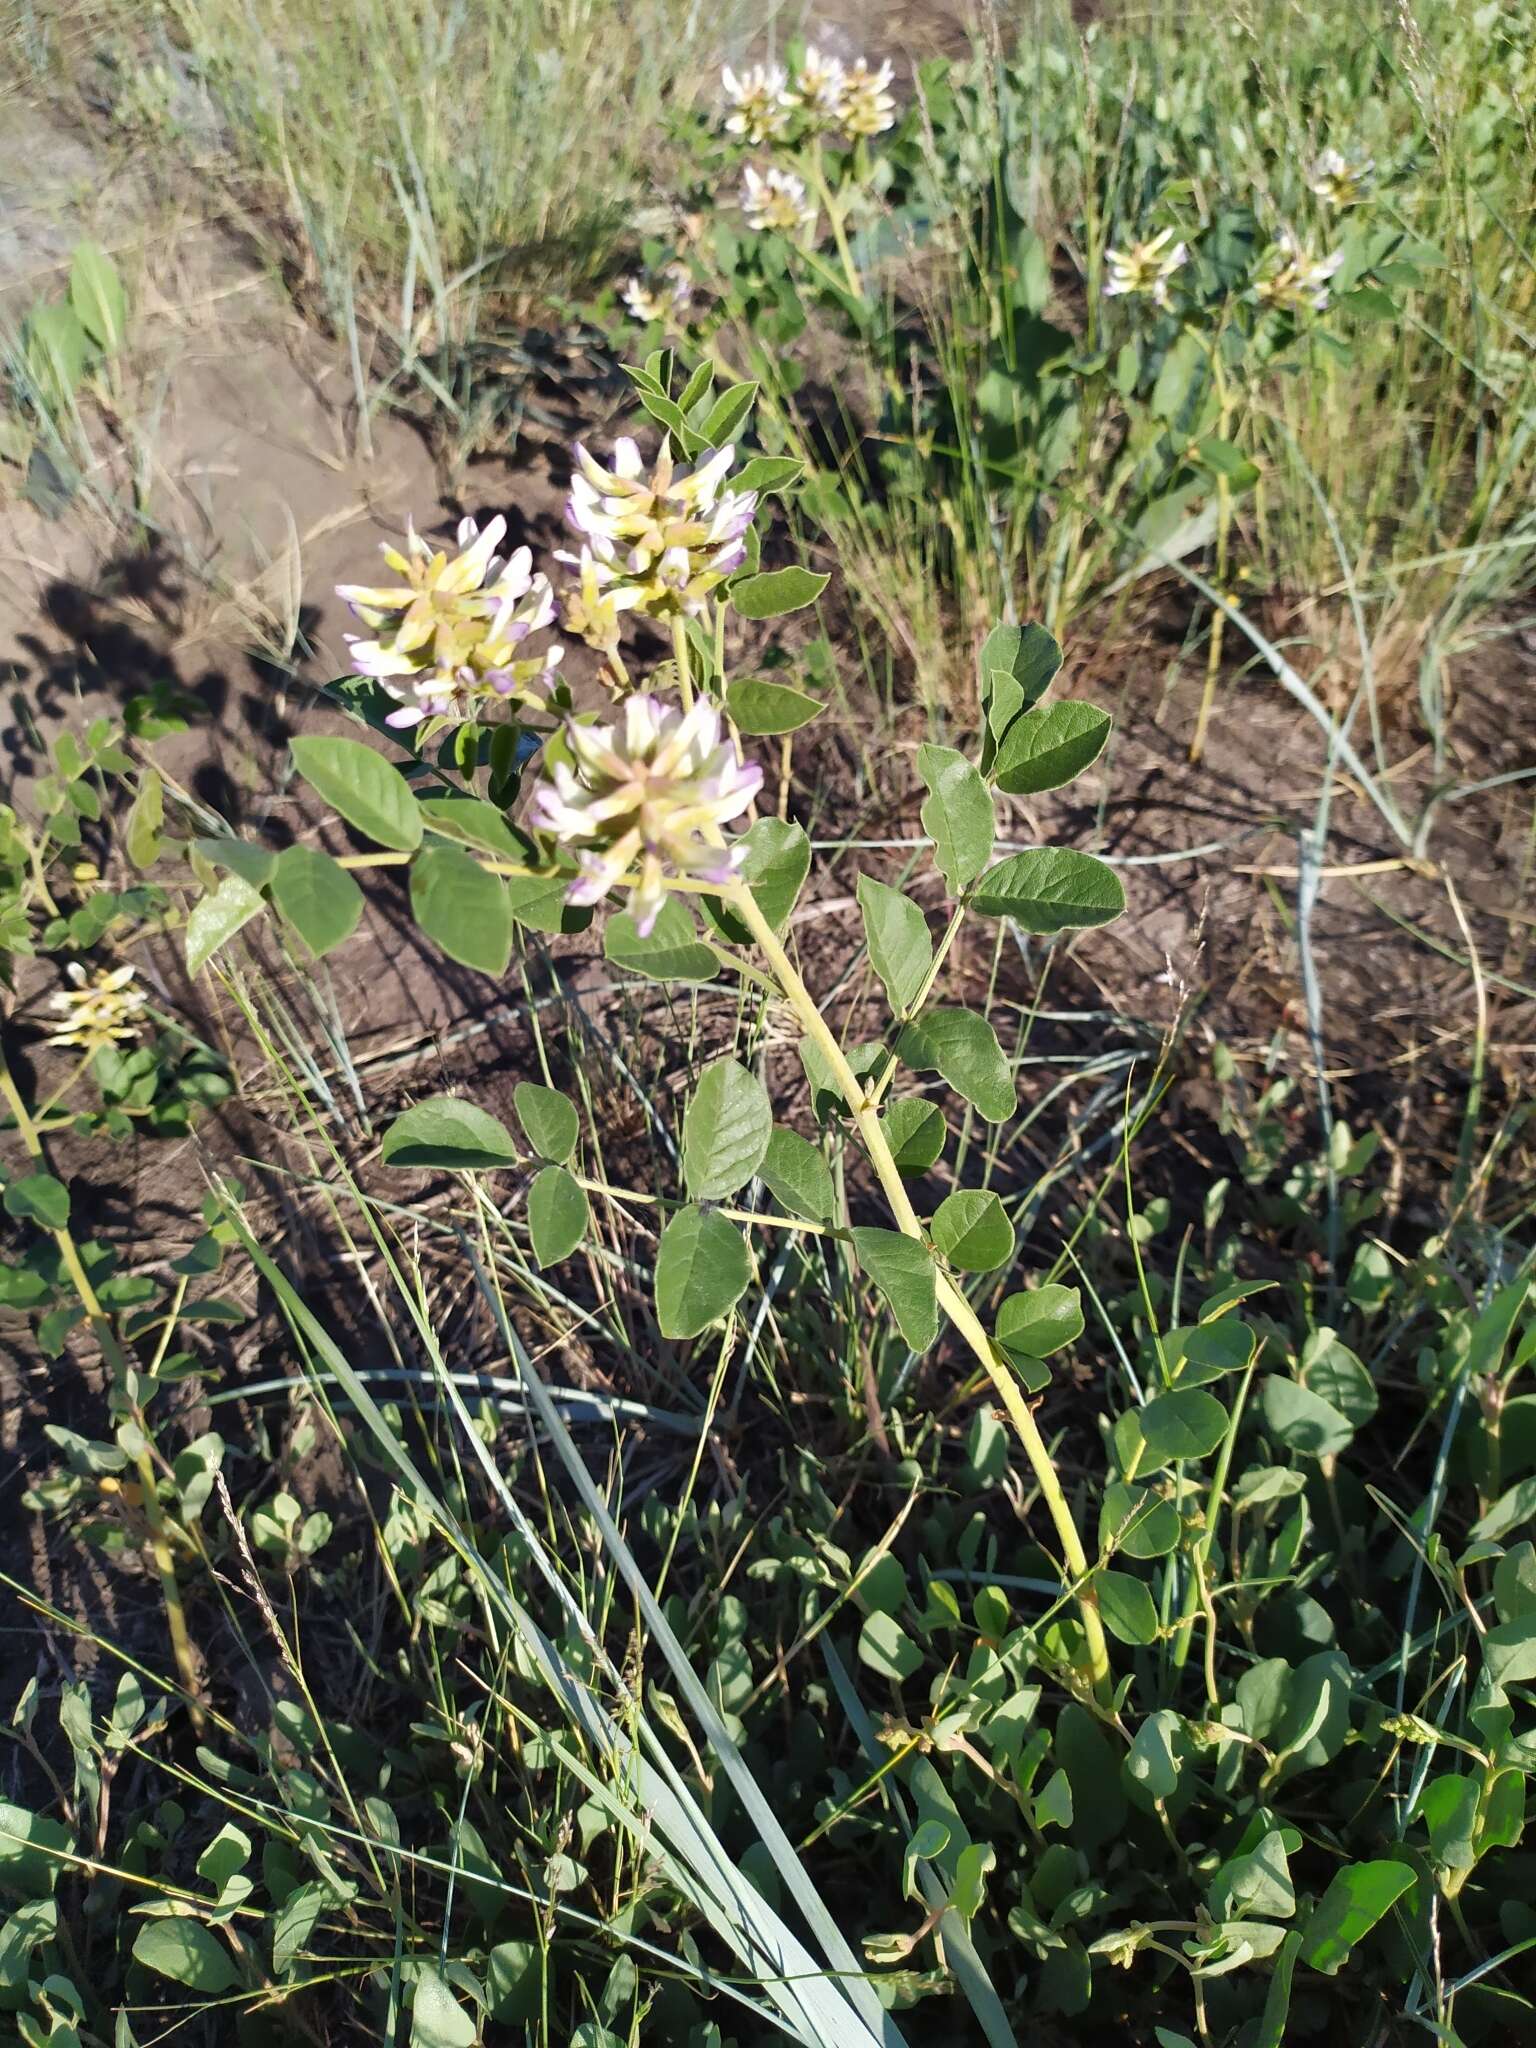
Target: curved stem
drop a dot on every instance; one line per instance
(951, 1300)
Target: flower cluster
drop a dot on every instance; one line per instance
(447, 634)
(664, 297)
(1337, 181)
(657, 543)
(768, 105)
(645, 801)
(1293, 281)
(105, 1009)
(1145, 269)
(776, 199)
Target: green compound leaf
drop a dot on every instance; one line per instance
(670, 951)
(188, 1953)
(902, 1268)
(957, 814)
(702, 1270)
(915, 1130)
(962, 1046)
(725, 1131)
(317, 896)
(896, 933)
(1184, 1424)
(971, 1229)
(766, 709)
(1050, 889)
(368, 791)
(444, 1132)
(797, 1176)
(1047, 747)
(1035, 1324)
(779, 591)
(1355, 1900)
(215, 920)
(774, 867)
(549, 1119)
(464, 909)
(558, 1215)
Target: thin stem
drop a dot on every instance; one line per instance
(953, 1302)
(118, 1363)
(925, 989)
(680, 655)
(834, 215)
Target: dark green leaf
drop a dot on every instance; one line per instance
(471, 821)
(39, 1198)
(540, 902)
(670, 951)
(463, 908)
(903, 1270)
(549, 1119)
(727, 414)
(702, 1270)
(1355, 1900)
(956, 815)
(1302, 1420)
(363, 787)
(962, 1046)
(761, 707)
(915, 1131)
(253, 864)
(900, 950)
(1049, 889)
(1036, 1323)
(797, 1176)
(319, 899)
(443, 1132)
(971, 1229)
(558, 1215)
(1047, 747)
(774, 865)
(188, 1953)
(779, 591)
(1183, 1424)
(725, 1131)
(767, 473)
(1126, 1606)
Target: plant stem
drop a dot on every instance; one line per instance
(118, 1365)
(953, 1302)
(834, 215)
(680, 655)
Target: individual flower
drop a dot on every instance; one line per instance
(776, 199)
(1337, 181)
(645, 802)
(661, 298)
(106, 1009)
(447, 634)
(864, 105)
(1293, 281)
(591, 605)
(1145, 269)
(760, 106)
(671, 535)
(817, 88)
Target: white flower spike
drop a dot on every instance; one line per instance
(646, 801)
(668, 538)
(1145, 269)
(105, 1009)
(760, 105)
(776, 199)
(1293, 281)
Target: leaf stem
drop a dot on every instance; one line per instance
(954, 1303)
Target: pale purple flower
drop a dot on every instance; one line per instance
(447, 634)
(666, 297)
(672, 535)
(1145, 269)
(1294, 281)
(645, 802)
(864, 104)
(760, 106)
(776, 199)
(817, 88)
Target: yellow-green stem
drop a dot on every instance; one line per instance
(834, 215)
(118, 1365)
(951, 1300)
(680, 655)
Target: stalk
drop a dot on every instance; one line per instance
(956, 1307)
(118, 1364)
